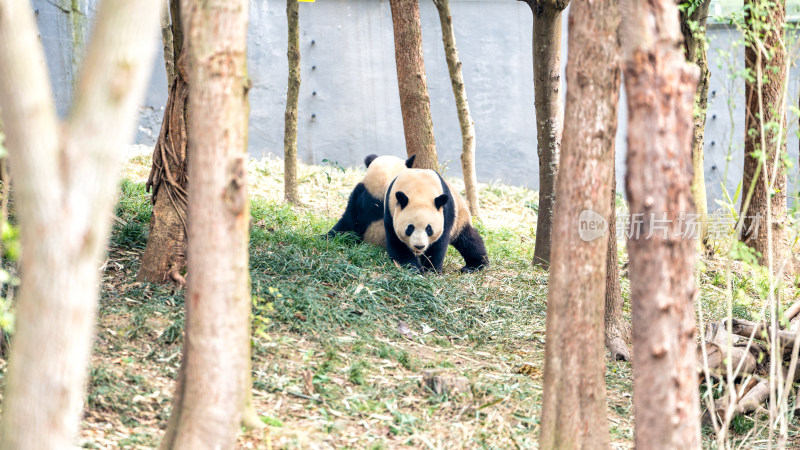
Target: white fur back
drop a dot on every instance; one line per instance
(381, 171)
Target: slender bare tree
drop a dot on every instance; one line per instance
(65, 182)
(617, 329)
(415, 102)
(549, 114)
(212, 391)
(574, 404)
(292, 94)
(164, 257)
(462, 105)
(660, 87)
(693, 28)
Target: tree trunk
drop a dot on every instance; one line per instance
(414, 100)
(660, 87)
(464, 116)
(66, 179)
(549, 115)
(617, 329)
(212, 396)
(765, 98)
(292, 94)
(168, 48)
(574, 404)
(694, 41)
(164, 256)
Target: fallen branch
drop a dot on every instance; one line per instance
(717, 356)
(722, 404)
(762, 332)
(792, 311)
(744, 357)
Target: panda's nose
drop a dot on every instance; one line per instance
(419, 247)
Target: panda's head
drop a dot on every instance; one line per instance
(417, 201)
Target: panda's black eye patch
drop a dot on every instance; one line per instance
(429, 230)
(410, 230)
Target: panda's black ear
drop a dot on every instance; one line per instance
(368, 160)
(441, 200)
(410, 161)
(401, 199)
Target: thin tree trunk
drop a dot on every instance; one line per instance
(574, 403)
(617, 329)
(464, 116)
(66, 179)
(164, 256)
(168, 45)
(216, 343)
(414, 100)
(549, 115)
(765, 98)
(292, 95)
(660, 88)
(694, 40)
(5, 192)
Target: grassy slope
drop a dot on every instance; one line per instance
(331, 367)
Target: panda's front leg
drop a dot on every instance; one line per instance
(433, 258)
(399, 252)
(349, 219)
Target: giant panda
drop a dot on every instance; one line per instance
(364, 212)
(422, 216)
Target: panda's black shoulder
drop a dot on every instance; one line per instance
(450, 206)
(386, 210)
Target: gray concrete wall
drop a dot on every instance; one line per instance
(724, 133)
(351, 68)
(349, 105)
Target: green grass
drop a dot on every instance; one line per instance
(133, 213)
(341, 301)
(332, 309)
(328, 285)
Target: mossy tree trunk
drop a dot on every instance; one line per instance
(549, 115)
(292, 94)
(660, 87)
(574, 400)
(215, 370)
(693, 28)
(164, 256)
(462, 106)
(66, 178)
(415, 103)
(765, 97)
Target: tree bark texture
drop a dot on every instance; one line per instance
(574, 404)
(216, 343)
(292, 95)
(167, 45)
(66, 180)
(765, 99)
(694, 41)
(549, 115)
(164, 256)
(660, 88)
(415, 103)
(617, 329)
(462, 106)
